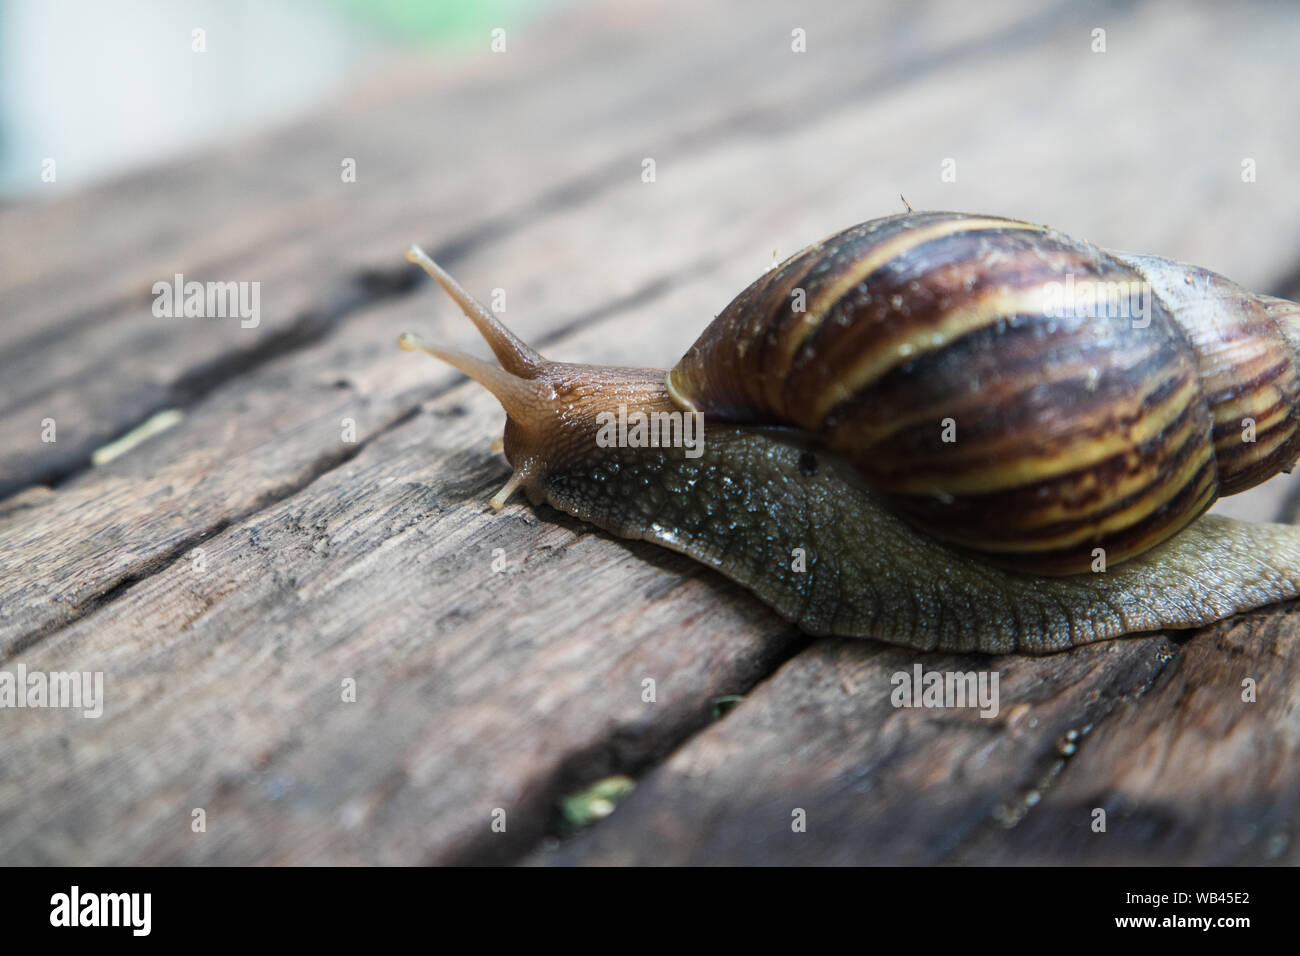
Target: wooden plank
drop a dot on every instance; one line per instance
(224, 674)
(878, 785)
(1190, 773)
(1154, 734)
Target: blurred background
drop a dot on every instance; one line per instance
(117, 85)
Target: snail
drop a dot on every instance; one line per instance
(946, 431)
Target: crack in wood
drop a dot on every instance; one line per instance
(159, 563)
(630, 751)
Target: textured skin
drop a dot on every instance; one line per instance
(1070, 431)
(757, 494)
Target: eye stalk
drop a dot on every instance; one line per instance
(552, 408)
(527, 399)
(511, 351)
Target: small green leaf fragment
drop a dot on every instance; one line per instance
(120, 446)
(597, 801)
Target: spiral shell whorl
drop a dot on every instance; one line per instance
(1073, 431)
(1245, 347)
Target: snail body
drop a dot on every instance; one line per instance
(946, 431)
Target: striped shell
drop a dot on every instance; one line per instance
(926, 355)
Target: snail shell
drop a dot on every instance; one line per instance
(913, 373)
(1096, 427)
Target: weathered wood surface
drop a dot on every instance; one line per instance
(1154, 734)
(229, 574)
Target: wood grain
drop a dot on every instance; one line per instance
(1155, 735)
(224, 676)
(1190, 773)
(879, 785)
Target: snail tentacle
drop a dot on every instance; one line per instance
(553, 409)
(512, 352)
